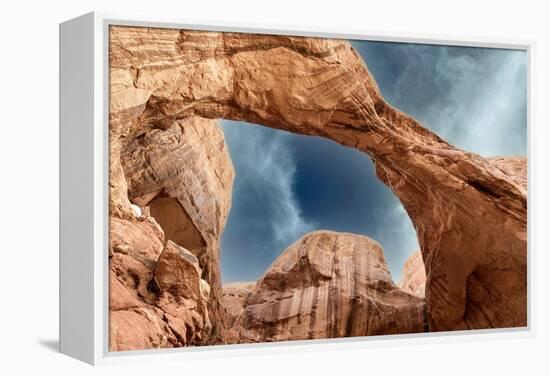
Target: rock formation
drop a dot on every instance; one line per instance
(414, 276)
(328, 285)
(183, 175)
(157, 298)
(234, 300)
(515, 167)
(469, 212)
(181, 178)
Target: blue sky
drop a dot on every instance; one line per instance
(287, 185)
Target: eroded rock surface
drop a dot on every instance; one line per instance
(413, 279)
(469, 212)
(328, 285)
(183, 177)
(157, 298)
(234, 301)
(515, 167)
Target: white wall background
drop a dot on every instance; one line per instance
(29, 184)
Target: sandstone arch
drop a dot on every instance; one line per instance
(469, 213)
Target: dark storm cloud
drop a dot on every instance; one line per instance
(287, 185)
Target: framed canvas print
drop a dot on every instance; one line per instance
(229, 189)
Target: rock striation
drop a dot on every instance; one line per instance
(328, 285)
(470, 212)
(414, 276)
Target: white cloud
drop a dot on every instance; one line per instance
(494, 123)
(478, 97)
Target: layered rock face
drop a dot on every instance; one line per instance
(414, 276)
(469, 212)
(181, 178)
(328, 285)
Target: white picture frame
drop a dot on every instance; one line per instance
(84, 157)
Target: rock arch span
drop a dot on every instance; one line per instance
(470, 213)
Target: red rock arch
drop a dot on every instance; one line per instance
(470, 214)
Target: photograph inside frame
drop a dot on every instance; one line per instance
(269, 188)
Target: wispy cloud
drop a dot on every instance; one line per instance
(474, 98)
(486, 107)
(270, 167)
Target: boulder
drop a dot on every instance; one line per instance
(328, 285)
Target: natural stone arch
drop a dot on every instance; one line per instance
(469, 214)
